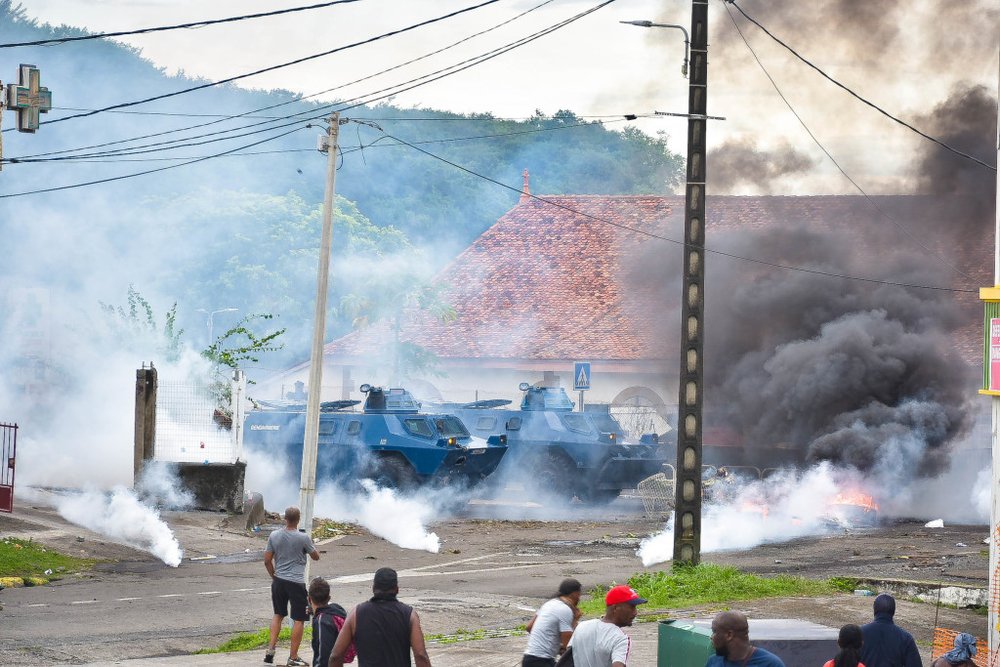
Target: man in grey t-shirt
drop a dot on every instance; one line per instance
(285, 560)
(551, 628)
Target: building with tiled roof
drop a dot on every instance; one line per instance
(565, 279)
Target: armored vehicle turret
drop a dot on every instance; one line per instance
(391, 442)
(554, 449)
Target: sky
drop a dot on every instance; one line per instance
(906, 57)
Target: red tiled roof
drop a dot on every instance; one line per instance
(547, 281)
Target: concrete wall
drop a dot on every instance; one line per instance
(215, 486)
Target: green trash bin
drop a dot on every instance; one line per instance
(684, 643)
(688, 642)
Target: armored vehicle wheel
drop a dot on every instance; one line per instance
(554, 475)
(392, 473)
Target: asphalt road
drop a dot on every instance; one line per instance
(488, 574)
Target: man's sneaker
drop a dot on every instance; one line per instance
(297, 662)
(269, 655)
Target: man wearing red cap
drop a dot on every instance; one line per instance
(600, 642)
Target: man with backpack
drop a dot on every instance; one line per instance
(328, 618)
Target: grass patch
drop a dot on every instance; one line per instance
(686, 586)
(247, 641)
(35, 563)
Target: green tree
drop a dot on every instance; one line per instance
(396, 295)
(134, 327)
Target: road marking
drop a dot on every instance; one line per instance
(422, 571)
(83, 601)
(171, 595)
(37, 604)
(128, 599)
(210, 593)
(452, 562)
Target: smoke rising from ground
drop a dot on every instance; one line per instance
(823, 499)
(123, 518)
(740, 163)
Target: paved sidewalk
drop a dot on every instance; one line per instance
(504, 652)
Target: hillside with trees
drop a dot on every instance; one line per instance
(229, 215)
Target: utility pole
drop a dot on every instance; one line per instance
(307, 493)
(687, 490)
(993, 613)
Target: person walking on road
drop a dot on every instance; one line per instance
(285, 560)
(600, 642)
(384, 630)
(550, 629)
(327, 620)
(961, 655)
(850, 641)
(731, 641)
(887, 644)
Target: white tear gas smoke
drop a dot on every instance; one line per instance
(395, 517)
(982, 494)
(160, 486)
(121, 517)
(785, 506)
(824, 499)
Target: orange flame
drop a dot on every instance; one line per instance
(855, 498)
(752, 507)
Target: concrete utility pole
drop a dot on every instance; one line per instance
(687, 491)
(307, 495)
(993, 613)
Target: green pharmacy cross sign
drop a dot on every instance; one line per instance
(28, 98)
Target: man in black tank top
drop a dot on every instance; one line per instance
(384, 630)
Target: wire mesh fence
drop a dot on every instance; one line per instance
(194, 424)
(637, 420)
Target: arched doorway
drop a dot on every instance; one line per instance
(640, 410)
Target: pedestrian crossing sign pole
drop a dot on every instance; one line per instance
(581, 379)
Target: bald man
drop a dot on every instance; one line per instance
(731, 641)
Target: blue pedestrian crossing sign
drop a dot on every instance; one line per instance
(581, 375)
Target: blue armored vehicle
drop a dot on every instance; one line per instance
(556, 450)
(391, 442)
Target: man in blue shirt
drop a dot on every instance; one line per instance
(731, 641)
(886, 644)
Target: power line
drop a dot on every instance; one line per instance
(120, 157)
(471, 62)
(272, 68)
(179, 26)
(649, 234)
(812, 136)
(299, 98)
(392, 90)
(148, 171)
(859, 97)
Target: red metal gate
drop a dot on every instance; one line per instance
(8, 446)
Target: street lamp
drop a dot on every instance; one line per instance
(690, 400)
(211, 317)
(687, 42)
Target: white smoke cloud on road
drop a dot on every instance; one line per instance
(121, 517)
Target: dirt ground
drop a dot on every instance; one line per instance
(517, 561)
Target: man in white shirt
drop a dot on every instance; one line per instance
(601, 642)
(550, 629)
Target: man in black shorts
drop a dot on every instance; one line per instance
(285, 560)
